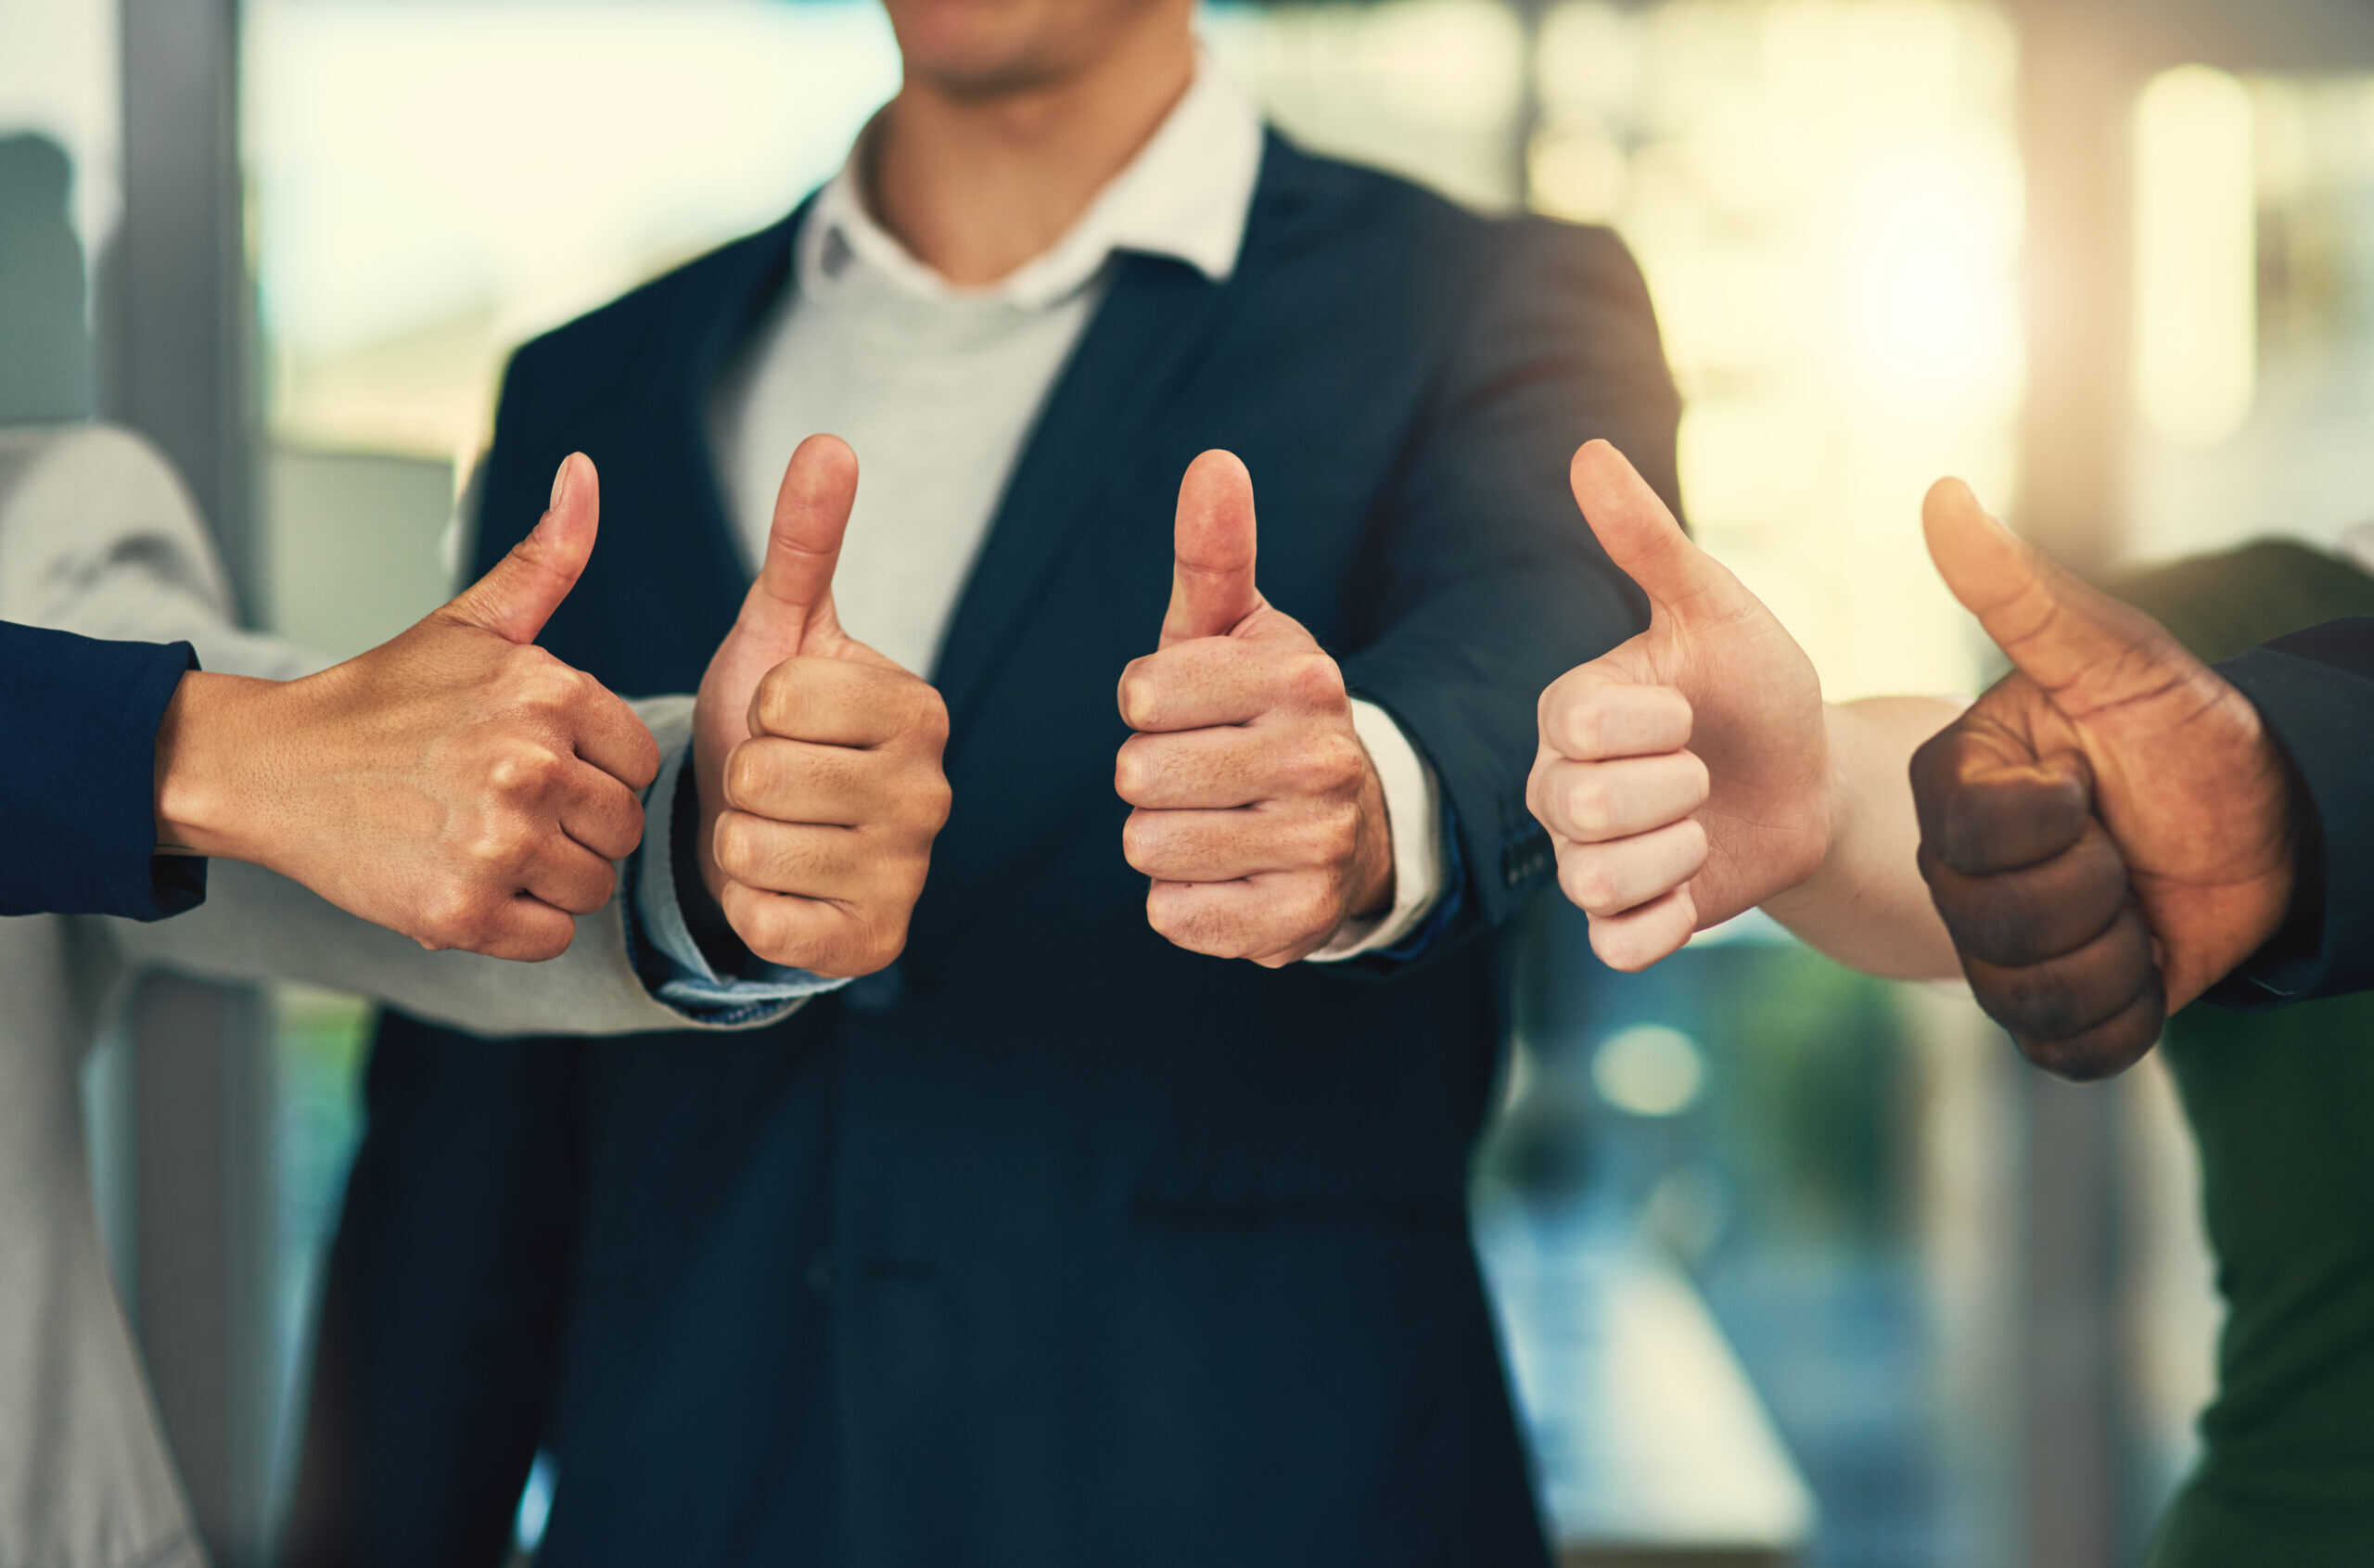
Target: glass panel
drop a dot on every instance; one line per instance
(60, 190)
(2289, 189)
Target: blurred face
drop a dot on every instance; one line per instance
(971, 48)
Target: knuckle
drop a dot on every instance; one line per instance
(1315, 680)
(454, 915)
(501, 845)
(778, 698)
(1568, 719)
(540, 681)
(1331, 765)
(1581, 727)
(631, 823)
(1702, 779)
(1589, 806)
(761, 924)
(2038, 1002)
(1133, 774)
(1693, 833)
(1546, 708)
(883, 944)
(1618, 948)
(1140, 695)
(1337, 834)
(1587, 884)
(735, 843)
(523, 772)
(1186, 924)
(745, 776)
(930, 720)
(850, 953)
(1996, 924)
(1141, 841)
(933, 802)
(645, 769)
(1313, 911)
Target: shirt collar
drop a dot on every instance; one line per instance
(1186, 195)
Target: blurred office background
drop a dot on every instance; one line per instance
(1796, 1267)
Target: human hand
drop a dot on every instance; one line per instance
(2107, 832)
(456, 784)
(1684, 775)
(1259, 817)
(818, 759)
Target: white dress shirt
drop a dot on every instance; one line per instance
(935, 387)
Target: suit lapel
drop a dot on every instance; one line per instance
(1152, 326)
(707, 567)
(1143, 341)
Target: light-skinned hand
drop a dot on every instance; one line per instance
(1259, 818)
(818, 759)
(456, 784)
(1683, 775)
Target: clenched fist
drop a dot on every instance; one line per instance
(457, 783)
(818, 761)
(2107, 832)
(1685, 775)
(1259, 816)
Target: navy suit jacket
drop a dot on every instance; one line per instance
(1052, 1245)
(2314, 689)
(78, 790)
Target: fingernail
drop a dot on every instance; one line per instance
(560, 485)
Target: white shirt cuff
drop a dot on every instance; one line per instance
(1413, 806)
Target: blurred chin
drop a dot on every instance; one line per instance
(971, 45)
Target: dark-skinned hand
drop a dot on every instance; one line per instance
(2107, 832)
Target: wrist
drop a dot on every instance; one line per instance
(691, 829)
(206, 760)
(1806, 878)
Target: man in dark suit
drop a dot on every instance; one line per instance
(1058, 1243)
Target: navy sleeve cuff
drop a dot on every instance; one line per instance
(699, 980)
(79, 795)
(2322, 717)
(1442, 926)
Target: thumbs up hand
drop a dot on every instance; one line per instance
(1258, 817)
(2107, 831)
(818, 759)
(1684, 775)
(456, 784)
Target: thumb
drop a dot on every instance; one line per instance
(1211, 573)
(2056, 630)
(1641, 536)
(794, 591)
(516, 599)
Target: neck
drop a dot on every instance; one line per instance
(975, 185)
